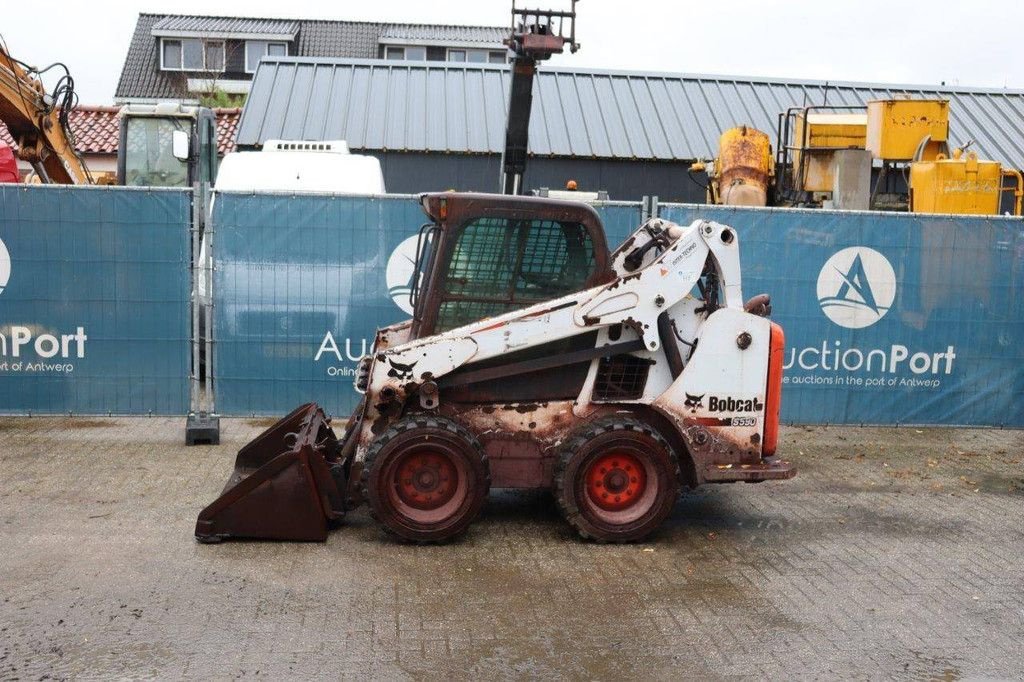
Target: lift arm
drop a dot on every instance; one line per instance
(536, 35)
(636, 298)
(37, 123)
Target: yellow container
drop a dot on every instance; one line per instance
(835, 131)
(820, 135)
(962, 185)
(743, 168)
(897, 126)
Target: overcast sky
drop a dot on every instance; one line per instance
(977, 42)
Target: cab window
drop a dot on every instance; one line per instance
(149, 161)
(502, 264)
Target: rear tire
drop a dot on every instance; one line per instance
(425, 478)
(617, 479)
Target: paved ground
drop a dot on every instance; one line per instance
(895, 553)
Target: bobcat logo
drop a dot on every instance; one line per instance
(694, 401)
(400, 371)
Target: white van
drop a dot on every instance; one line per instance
(301, 166)
(293, 166)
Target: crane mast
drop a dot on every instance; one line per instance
(536, 35)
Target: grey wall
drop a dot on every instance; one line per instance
(408, 173)
(623, 180)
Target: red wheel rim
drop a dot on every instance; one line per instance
(616, 481)
(428, 484)
(425, 480)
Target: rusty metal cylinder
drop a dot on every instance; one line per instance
(744, 167)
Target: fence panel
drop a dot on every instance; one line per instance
(94, 300)
(619, 219)
(300, 285)
(889, 318)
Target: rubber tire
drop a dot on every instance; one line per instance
(588, 443)
(389, 445)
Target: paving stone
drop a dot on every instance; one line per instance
(894, 553)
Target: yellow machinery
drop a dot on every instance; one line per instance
(164, 144)
(917, 131)
(821, 157)
(896, 127)
(827, 157)
(818, 137)
(743, 170)
(962, 184)
(38, 121)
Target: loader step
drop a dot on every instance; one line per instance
(770, 469)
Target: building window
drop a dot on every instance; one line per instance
(255, 50)
(191, 54)
(170, 58)
(408, 53)
(476, 56)
(214, 55)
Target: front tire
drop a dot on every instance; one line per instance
(617, 480)
(426, 479)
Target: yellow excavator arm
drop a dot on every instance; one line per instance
(38, 124)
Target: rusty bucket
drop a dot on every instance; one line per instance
(288, 484)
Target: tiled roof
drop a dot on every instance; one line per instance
(97, 129)
(461, 108)
(338, 39)
(141, 76)
(227, 129)
(488, 35)
(234, 25)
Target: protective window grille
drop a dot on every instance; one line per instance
(501, 264)
(621, 377)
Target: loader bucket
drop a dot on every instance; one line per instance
(288, 484)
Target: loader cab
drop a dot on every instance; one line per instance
(166, 145)
(483, 255)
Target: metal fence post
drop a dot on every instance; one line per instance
(194, 395)
(209, 234)
(202, 425)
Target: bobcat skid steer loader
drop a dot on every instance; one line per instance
(534, 359)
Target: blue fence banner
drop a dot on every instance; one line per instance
(890, 318)
(94, 300)
(302, 282)
(620, 220)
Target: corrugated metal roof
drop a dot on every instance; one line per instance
(460, 108)
(235, 25)
(430, 33)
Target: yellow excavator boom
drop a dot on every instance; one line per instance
(38, 124)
